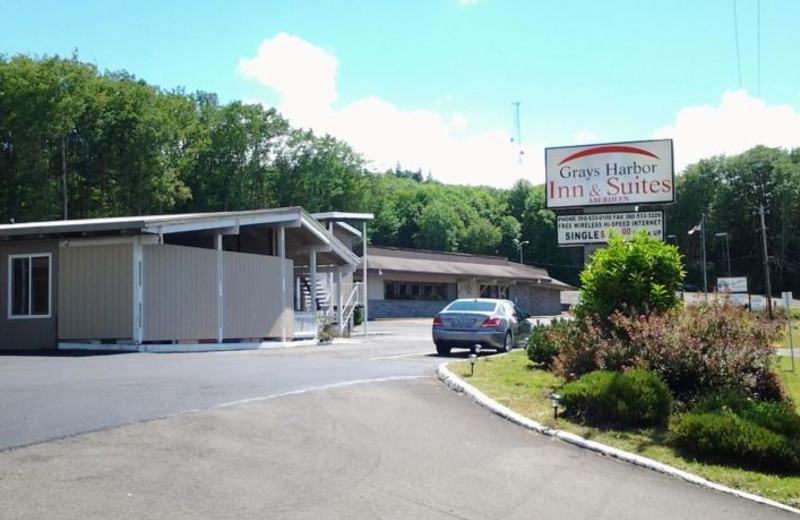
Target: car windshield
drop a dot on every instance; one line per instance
(471, 305)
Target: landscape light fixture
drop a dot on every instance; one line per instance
(555, 400)
(472, 359)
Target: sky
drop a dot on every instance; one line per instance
(431, 84)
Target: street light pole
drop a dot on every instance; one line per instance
(519, 243)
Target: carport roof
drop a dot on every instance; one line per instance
(459, 265)
(165, 224)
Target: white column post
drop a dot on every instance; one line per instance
(365, 295)
(220, 272)
(138, 292)
(298, 294)
(312, 260)
(282, 255)
(339, 302)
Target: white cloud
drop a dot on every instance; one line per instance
(738, 123)
(304, 76)
(459, 122)
(585, 137)
(468, 2)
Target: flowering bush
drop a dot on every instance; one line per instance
(696, 350)
(707, 348)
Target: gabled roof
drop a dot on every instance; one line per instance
(398, 260)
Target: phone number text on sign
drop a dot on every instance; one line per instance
(594, 229)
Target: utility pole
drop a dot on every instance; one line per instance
(767, 283)
(64, 173)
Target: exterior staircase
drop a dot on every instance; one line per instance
(325, 292)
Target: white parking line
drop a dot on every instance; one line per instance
(413, 354)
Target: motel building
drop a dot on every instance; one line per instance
(204, 281)
(404, 283)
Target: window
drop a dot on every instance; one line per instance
(416, 291)
(29, 286)
(472, 305)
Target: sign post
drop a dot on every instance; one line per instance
(787, 302)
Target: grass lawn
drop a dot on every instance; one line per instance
(514, 382)
(784, 342)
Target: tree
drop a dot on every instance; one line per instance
(481, 237)
(440, 228)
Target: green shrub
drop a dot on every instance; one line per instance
(725, 437)
(545, 341)
(358, 316)
(775, 417)
(631, 398)
(640, 276)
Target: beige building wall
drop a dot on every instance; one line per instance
(180, 293)
(252, 296)
(95, 292)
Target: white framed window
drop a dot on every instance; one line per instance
(30, 285)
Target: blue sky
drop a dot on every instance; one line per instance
(430, 83)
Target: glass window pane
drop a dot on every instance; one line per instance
(471, 305)
(415, 291)
(20, 273)
(40, 285)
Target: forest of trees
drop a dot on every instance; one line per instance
(76, 142)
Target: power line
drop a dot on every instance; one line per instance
(758, 22)
(736, 33)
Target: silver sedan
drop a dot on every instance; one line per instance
(497, 324)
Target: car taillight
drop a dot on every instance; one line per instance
(437, 322)
(491, 322)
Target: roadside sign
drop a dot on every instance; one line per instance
(787, 302)
(577, 230)
(739, 299)
(736, 284)
(758, 303)
(636, 172)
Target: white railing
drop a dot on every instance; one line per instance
(351, 298)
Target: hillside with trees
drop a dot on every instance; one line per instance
(77, 142)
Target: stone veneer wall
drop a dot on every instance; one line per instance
(404, 308)
(539, 301)
(536, 300)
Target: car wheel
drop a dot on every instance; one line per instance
(508, 342)
(442, 349)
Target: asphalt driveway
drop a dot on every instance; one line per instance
(361, 430)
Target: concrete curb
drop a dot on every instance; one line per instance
(461, 386)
